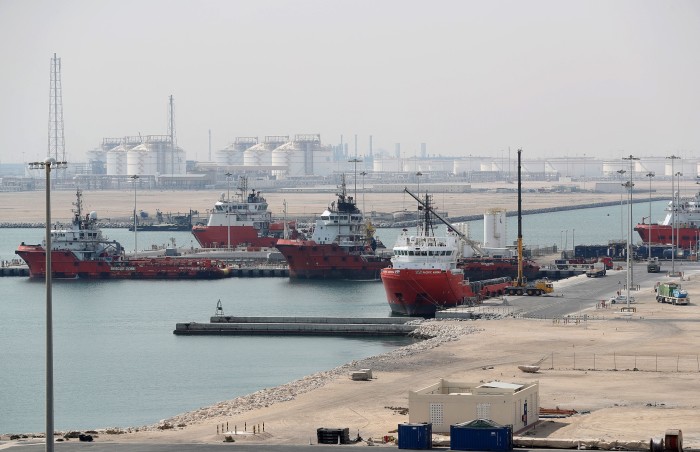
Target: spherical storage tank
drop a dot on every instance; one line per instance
(116, 161)
(495, 228)
(141, 160)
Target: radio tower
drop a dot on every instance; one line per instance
(171, 133)
(57, 144)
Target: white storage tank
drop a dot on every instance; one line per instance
(229, 156)
(384, 164)
(140, 160)
(323, 161)
(258, 155)
(290, 156)
(116, 161)
(495, 228)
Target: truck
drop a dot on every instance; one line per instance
(653, 265)
(596, 270)
(539, 287)
(671, 292)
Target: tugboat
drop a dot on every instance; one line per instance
(82, 251)
(424, 276)
(687, 224)
(342, 245)
(243, 220)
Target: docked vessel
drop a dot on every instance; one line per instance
(342, 245)
(241, 220)
(167, 222)
(686, 217)
(424, 276)
(82, 251)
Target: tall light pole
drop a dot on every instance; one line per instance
(674, 205)
(418, 175)
(48, 165)
(621, 172)
(650, 175)
(630, 261)
(363, 174)
(355, 161)
(228, 210)
(134, 178)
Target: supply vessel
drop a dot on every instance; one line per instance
(424, 276)
(342, 245)
(680, 227)
(82, 251)
(241, 220)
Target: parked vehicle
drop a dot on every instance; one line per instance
(621, 299)
(671, 292)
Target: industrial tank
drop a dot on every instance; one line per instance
(258, 155)
(116, 161)
(495, 228)
(140, 160)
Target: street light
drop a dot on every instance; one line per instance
(48, 165)
(674, 235)
(630, 261)
(418, 175)
(134, 178)
(228, 210)
(355, 161)
(622, 235)
(674, 204)
(650, 175)
(363, 174)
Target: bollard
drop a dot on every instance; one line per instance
(263, 426)
(245, 426)
(253, 429)
(217, 429)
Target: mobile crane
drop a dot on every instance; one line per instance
(521, 286)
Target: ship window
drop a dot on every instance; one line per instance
(410, 253)
(449, 253)
(423, 253)
(325, 217)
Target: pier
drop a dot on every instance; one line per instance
(14, 271)
(298, 326)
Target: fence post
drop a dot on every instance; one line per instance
(614, 361)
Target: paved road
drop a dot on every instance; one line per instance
(578, 293)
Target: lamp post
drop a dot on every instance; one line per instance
(622, 235)
(630, 261)
(228, 211)
(48, 165)
(134, 178)
(674, 204)
(418, 175)
(650, 175)
(674, 227)
(363, 174)
(355, 161)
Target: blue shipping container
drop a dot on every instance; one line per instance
(479, 435)
(416, 436)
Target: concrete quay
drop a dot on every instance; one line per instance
(297, 326)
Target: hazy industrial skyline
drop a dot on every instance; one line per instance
(600, 78)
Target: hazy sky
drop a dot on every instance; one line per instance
(602, 78)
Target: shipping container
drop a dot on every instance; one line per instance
(416, 436)
(482, 435)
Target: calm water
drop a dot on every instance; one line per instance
(117, 362)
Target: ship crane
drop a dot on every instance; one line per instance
(474, 246)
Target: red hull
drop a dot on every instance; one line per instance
(686, 238)
(217, 236)
(422, 292)
(64, 264)
(309, 260)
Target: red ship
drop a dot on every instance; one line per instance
(424, 276)
(81, 251)
(243, 220)
(342, 246)
(680, 228)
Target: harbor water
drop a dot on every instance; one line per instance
(117, 363)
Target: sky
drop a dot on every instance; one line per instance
(602, 78)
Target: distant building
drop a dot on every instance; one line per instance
(448, 402)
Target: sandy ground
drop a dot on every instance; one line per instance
(119, 205)
(589, 366)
